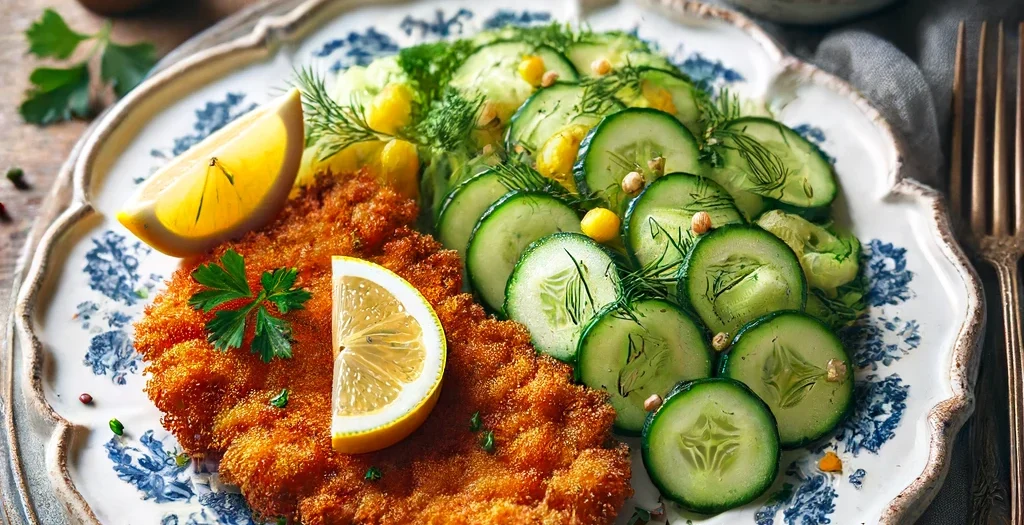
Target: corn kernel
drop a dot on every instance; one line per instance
(391, 109)
(601, 66)
(830, 462)
(400, 167)
(558, 154)
(532, 69)
(658, 97)
(600, 224)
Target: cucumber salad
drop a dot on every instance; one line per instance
(671, 244)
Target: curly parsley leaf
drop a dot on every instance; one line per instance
(126, 66)
(279, 287)
(273, 337)
(226, 282)
(227, 328)
(56, 94)
(50, 37)
(60, 94)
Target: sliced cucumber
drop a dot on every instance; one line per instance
(559, 284)
(551, 110)
(657, 223)
(626, 141)
(773, 161)
(492, 70)
(633, 359)
(463, 207)
(618, 48)
(751, 205)
(655, 84)
(712, 445)
(504, 231)
(784, 357)
(738, 273)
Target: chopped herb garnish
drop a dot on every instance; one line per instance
(116, 427)
(281, 399)
(142, 293)
(487, 441)
(227, 282)
(181, 459)
(17, 177)
(372, 474)
(475, 423)
(639, 517)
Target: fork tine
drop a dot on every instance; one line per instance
(1018, 143)
(978, 183)
(956, 159)
(1000, 180)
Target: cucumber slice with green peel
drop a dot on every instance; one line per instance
(626, 141)
(618, 48)
(769, 159)
(785, 358)
(551, 110)
(751, 205)
(657, 223)
(463, 207)
(713, 445)
(652, 84)
(504, 231)
(631, 360)
(829, 259)
(493, 71)
(559, 284)
(737, 273)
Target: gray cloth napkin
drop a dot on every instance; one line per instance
(901, 58)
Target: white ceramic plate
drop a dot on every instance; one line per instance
(90, 279)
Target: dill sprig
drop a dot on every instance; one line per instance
(767, 172)
(449, 123)
(558, 35)
(430, 67)
(330, 125)
(599, 93)
(577, 293)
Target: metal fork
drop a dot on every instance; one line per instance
(999, 238)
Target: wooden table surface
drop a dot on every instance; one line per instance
(40, 151)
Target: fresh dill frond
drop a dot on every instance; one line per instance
(448, 125)
(558, 35)
(331, 126)
(650, 281)
(517, 175)
(577, 293)
(766, 170)
(430, 67)
(599, 93)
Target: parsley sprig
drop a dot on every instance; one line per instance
(62, 93)
(226, 282)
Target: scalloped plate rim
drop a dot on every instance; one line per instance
(945, 418)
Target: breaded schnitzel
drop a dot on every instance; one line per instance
(555, 460)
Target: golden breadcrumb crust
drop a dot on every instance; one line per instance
(555, 461)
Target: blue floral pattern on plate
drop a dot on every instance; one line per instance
(152, 468)
(208, 119)
(857, 478)
(506, 17)
(112, 353)
(357, 49)
(816, 137)
(440, 26)
(112, 266)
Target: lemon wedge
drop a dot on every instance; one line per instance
(234, 181)
(389, 356)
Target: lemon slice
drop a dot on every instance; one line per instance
(234, 181)
(389, 355)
